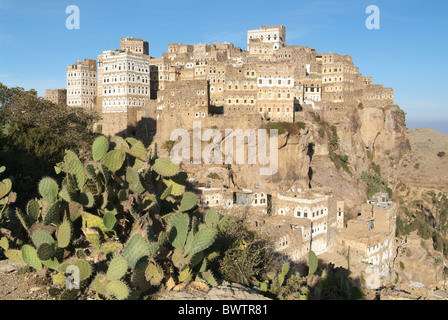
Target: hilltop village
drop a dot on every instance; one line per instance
(223, 87)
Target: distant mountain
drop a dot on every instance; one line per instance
(441, 126)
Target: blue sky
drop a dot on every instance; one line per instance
(408, 52)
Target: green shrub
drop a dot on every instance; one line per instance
(340, 161)
(283, 127)
(321, 132)
(374, 183)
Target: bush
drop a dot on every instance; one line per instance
(321, 132)
(340, 161)
(334, 139)
(401, 116)
(34, 134)
(374, 184)
(214, 176)
(283, 127)
(245, 256)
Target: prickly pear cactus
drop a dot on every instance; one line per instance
(124, 220)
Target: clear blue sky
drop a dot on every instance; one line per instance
(408, 52)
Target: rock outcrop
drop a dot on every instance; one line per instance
(225, 291)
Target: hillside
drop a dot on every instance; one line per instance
(422, 223)
(427, 164)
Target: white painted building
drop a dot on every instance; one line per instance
(81, 84)
(123, 81)
(275, 35)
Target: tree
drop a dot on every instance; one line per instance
(34, 134)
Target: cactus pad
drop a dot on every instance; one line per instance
(119, 142)
(133, 179)
(212, 218)
(285, 269)
(48, 189)
(179, 259)
(138, 151)
(109, 220)
(312, 262)
(114, 160)
(136, 248)
(179, 232)
(118, 289)
(53, 215)
(85, 269)
(177, 189)
(5, 187)
(185, 275)
(138, 278)
(4, 243)
(224, 223)
(203, 239)
(189, 200)
(99, 284)
(165, 167)
(110, 247)
(14, 255)
(59, 279)
(99, 148)
(40, 237)
(52, 263)
(22, 218)
(93, 221)
(208, 276)
(76, 169)
(46, 251)
(117, 268)
(86, 199)
(29, 255)
(64, 234)
(33, 210)
(154, 274)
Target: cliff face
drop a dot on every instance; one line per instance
(309, 157)
(371, 139)
(422, 193)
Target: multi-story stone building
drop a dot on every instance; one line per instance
(371, 238)
(271, 81)
(314, 207)
(274, 36)
(58, 96)
(134, 45)
(82, 84)
(123, 89)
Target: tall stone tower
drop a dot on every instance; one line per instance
(123, 89)
(81, 84)
(134, 45)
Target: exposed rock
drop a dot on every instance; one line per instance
(225, 291)
(416, 264)
(8, 266)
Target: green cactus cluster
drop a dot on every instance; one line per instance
(124, 219)
(7, 197)
(275, 281)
